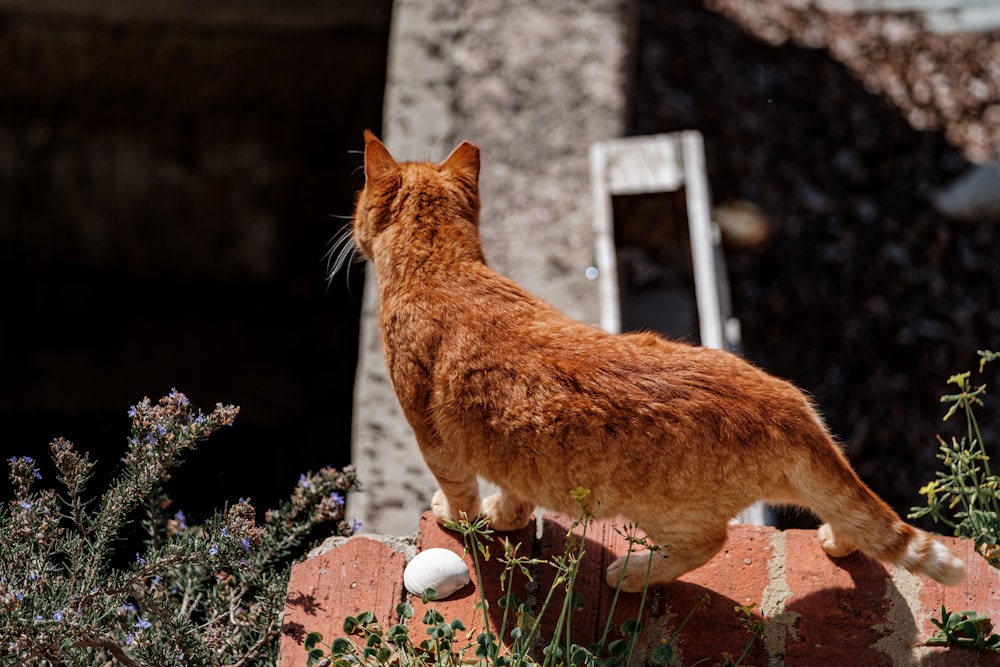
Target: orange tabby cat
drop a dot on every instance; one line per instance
(495, 382)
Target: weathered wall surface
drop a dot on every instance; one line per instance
(533, 84)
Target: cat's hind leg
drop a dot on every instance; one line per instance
(680, 551)
(837, 545)
(507, 512)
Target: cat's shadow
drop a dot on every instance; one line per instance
(872, 615)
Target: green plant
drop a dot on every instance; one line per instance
(967, 629)
(209, 594)
(392, 646)
(966, 495)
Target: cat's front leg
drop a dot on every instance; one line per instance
(506, 512)
(457, 502)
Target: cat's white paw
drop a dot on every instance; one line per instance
(440, 508)
(631, 575)
(834, 548)
(505, 513)
(444, 511)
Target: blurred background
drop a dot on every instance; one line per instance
(170, 177)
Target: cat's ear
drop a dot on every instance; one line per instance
(379, 164)
(464, 159)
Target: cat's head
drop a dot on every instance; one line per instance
(414, 193)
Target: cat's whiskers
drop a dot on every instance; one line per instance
(341, 253)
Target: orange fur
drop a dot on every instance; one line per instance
(497, 383)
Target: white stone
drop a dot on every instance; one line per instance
(440, 569)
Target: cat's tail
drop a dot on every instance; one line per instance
(857, 519)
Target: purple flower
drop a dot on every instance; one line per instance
(129, 639)
(224, 532)
(181, 519)
(246, 543)
(213, 550)
(25, 505)
(181, 399)
(58, 616)
(132, 411)
(139, 559)
(304, 481)
(142, 624)
(355, 524)
(338, 499)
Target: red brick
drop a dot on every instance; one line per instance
(463, 604)
(360, 575)
(842, 605)
(835, 611)
(736, 576)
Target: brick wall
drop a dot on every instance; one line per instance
(818, 611)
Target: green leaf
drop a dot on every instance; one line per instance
(315, 657)
(340, 646)
(618, 647)
(398, 633)
(663, 656)
(404, 610)
(631, 627)
(312, 639)
(509, 601)
(553, 651)
(579, 655)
